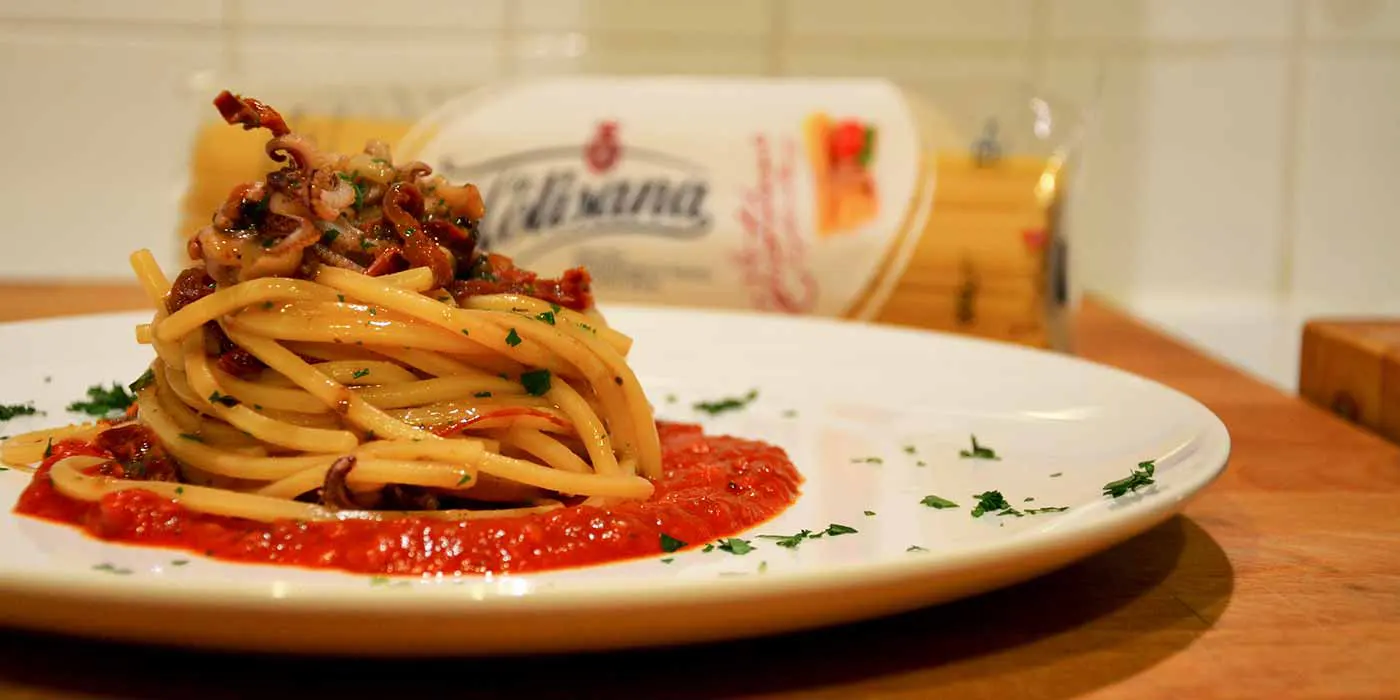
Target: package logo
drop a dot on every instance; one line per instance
(841, 153)
(545, 198)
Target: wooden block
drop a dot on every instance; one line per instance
(1352, 368)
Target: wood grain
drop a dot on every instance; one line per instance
(1352, 368)
(1281, 581)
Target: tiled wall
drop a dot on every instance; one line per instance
(1244, 149)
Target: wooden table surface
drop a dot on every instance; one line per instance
(1282, 580)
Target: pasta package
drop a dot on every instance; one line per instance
(850, 198)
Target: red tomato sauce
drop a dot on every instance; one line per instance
(712, 487)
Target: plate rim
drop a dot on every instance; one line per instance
(335, 597)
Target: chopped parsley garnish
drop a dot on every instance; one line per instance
(989, 501)
(466, 332)
(1140, 478)
(670, 398)
(179, 490)
(763, 567)
(588, 328)
(4, 469)
(547, 317)
(373, 312)
(909, 449)
(732, 403)
(870, 513)
(915, 548)
(938, 502)
(102, 402)
(330, 235)
(366, 244)
(146, 379)
(379, 580)
(1046, 509)
(668, 560)
(1027, 499)
(482, 395)
(223, 399)
(192, 437)
(267, 306)
(512, 338)
(867, 460)
(978, 451)
(734, 545)
(1057, 475)
(708, 548)
(465, 478)
(340, 297)
(111, 569)
(48, 449)
(670, 544)
(536, 382)
(18, 409)
(789, 413)
(179, 562)
(835, 529)
(789, 541)
(921, 463)
(362, 372)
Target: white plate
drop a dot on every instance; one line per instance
(858, 391)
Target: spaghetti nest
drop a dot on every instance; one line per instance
(423, 378)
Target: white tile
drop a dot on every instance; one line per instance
(182, 11)
(1353, 19)
(1105, 193)
(933, 64)
(467, 15)
(1347, 249)
(97, 166)
(730, 17)
(283, 57)
(573, 52)
(1261, 335)
(1179, 188)
(742, 58)
(943, 19)
(965, 85)
(1171, 20)
(1213, 136)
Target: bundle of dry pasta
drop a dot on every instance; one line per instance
(850, 198)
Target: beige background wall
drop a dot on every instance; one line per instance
(1248, 151)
